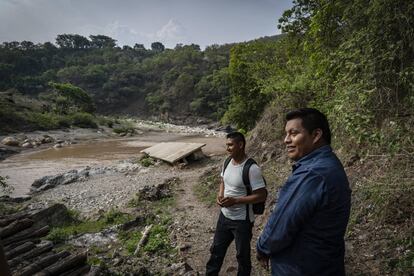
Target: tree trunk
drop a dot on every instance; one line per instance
(27, 234)
(42, 263)
(6, 220)
(20, 249)
(64, 265)
(15, 227)
(31, 254)
(16, 244)
(78, 271)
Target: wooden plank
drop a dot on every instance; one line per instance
(172, 151)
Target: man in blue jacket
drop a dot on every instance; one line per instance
(305, 233)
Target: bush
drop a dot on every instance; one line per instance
(43, 121)
(84, 120)
(146, 161)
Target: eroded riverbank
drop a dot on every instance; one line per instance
(95, 148)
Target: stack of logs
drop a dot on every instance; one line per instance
(28, 254)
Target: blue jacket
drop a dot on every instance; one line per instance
(305, 233)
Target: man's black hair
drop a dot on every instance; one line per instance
(312, 119)
(238, 137)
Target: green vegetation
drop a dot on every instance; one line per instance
(61, 234)
(207, 187)
(352, 59)
(147, 161)
(4, 186)
(125, 127)
(86, 74)
(159, 240)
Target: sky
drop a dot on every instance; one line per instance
(202, 22)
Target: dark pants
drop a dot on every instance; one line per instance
(226, 231)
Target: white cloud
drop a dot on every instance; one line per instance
(171, 33)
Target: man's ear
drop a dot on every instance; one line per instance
(317, 135)
(241, 144)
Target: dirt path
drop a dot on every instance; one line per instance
(196, 223)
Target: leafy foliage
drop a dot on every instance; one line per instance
(118, 80)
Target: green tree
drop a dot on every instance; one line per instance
(157, 47)
(102, 41)
(70, 99)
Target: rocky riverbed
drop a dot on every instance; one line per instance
(95, 184)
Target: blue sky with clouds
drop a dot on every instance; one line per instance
(202, 22)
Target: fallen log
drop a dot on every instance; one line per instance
(15, 227)
(64, 265)
(6, 220)
(143, 239)
(20, 249)
(27, 234)
(16, 244)
(42, 263)
(78, 271)
(47, 246)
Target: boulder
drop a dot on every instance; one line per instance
(27, 145)
(46, 139)
(10, 141)
(51, 181)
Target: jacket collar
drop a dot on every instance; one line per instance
(308, 159)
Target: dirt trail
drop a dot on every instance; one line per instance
(196, 225)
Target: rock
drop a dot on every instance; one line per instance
(52, 181)
(5, 152)
(94, 271)
(182, 268)
(153, 193)
(27, 145)
(46, 139)
(95, 239)
(55, 215)
(57, 146)
(10, 141)
(20, 199)
(184, 247)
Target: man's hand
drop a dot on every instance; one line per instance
(219, 200)
(228, 201)
(263, 260)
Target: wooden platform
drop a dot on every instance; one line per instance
(173, 151)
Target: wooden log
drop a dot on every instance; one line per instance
(42, 263)
(66, 264)
(6, 220)
(15, 227)
(83, 270)
(27, 234)
(19, 250)
(16, 244)
(143, 239)
(37, 251)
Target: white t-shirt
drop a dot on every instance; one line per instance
(234, 187)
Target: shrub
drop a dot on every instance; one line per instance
(84, 120)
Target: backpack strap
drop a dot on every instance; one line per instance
(245, 175)
(245, 178)
(246, 182)
(226, 163)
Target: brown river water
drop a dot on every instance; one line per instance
(22, 169)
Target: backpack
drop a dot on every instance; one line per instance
(258, 208)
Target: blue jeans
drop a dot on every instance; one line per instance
(226, 231)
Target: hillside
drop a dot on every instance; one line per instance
(352, 60)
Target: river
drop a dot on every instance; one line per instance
(22, 169)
